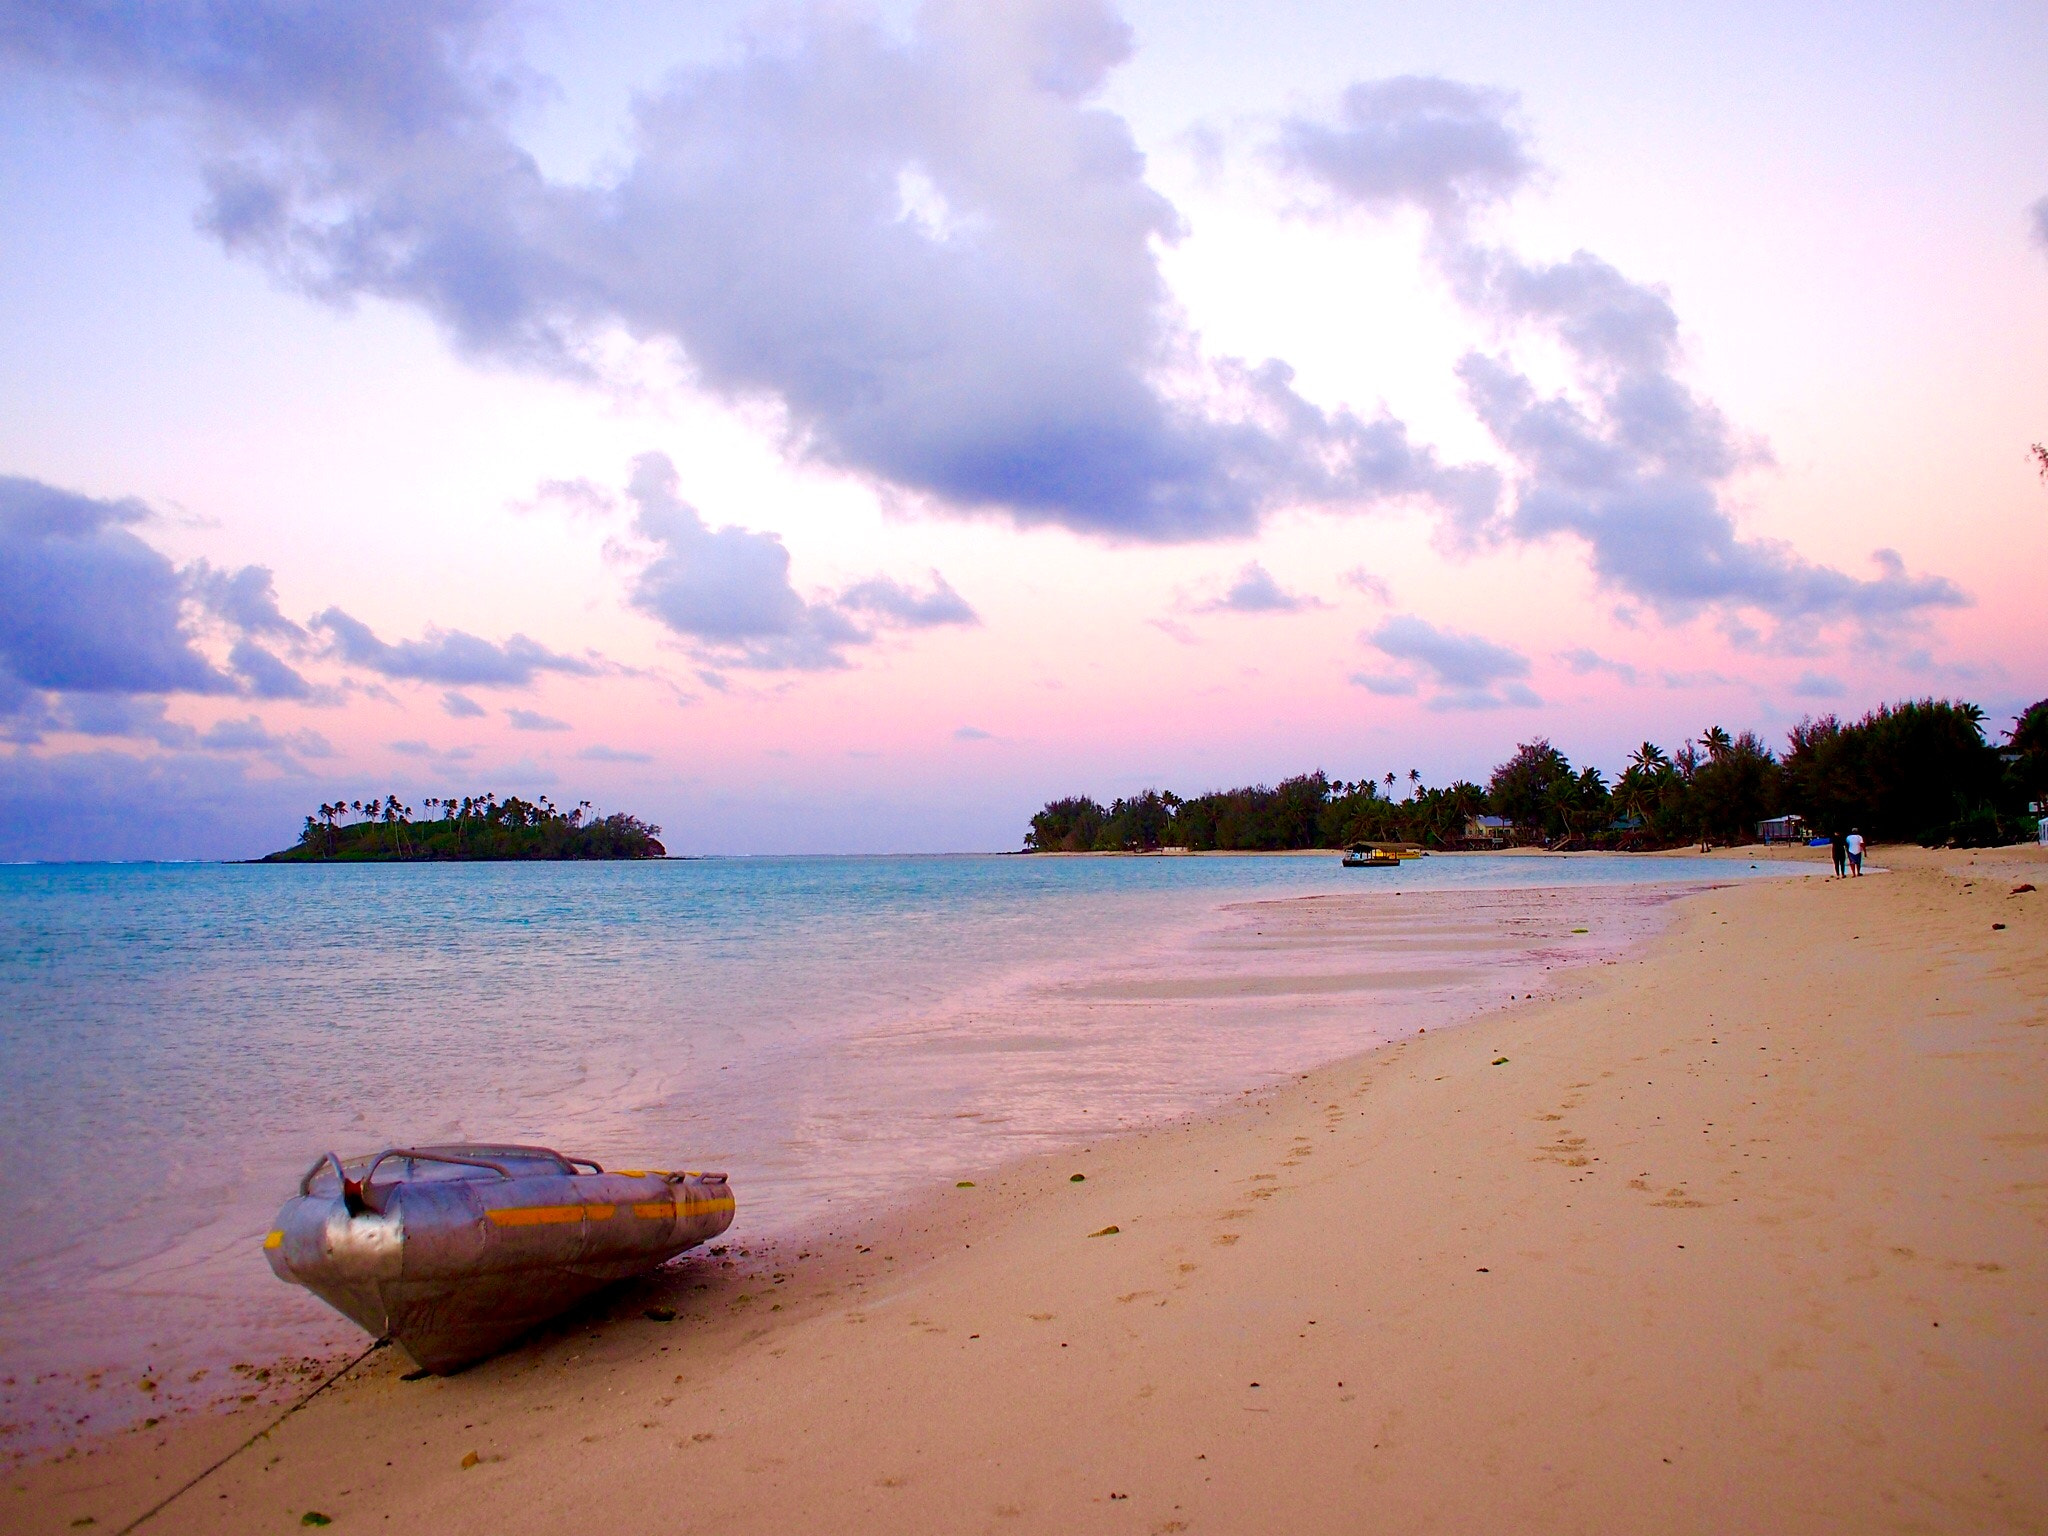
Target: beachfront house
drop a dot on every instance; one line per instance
(1782, 829)
(1489, 831)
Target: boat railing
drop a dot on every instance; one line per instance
(355, 1192)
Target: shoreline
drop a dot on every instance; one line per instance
(1587, 1348)
(1338, 972)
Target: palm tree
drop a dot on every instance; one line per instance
(1649, 759)
(1414, 782)
(1716, 740)
(1390, 783)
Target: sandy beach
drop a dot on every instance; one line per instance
(1745, 1232)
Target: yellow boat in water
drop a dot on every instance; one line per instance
(1363, 857)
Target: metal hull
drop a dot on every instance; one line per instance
(455, 1265)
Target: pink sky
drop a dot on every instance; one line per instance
(1052, 399)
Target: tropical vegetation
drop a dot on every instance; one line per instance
(471, 827)
(1917, 771)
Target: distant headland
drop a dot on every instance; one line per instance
(475, 827)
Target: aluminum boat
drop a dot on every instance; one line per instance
(454, 1251)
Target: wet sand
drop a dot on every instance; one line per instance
(1746, 1232)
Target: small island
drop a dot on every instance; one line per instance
(474, 827)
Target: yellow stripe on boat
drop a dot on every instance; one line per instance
(549, 1215)
(273, 1239)
(655, 1210)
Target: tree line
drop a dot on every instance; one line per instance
(1920, 771)
(469, 827)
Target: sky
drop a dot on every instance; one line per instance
(841, 429)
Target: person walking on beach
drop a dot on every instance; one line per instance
(1839, 845)
(1855, 847)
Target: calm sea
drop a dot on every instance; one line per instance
(178, 1042)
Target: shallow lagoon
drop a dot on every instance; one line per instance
(179, 1041)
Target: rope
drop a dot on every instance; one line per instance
(178, 1493)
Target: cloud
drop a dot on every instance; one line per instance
(266, 676)
(527, 720)
(972, 733)
(252, 735)
(1818, 685)
(1631, 462)
(121, 805)
(1583, 661)
(1506, 696)
(1468, 672)
(1387, 685)
(85, 605)
(245, 598)
(890, 602)
(578, 497)
(1372, 586)
(119, 715)
(2037, 222)
(727, 590)
(603, 754)
(1453, 659)
(461, 707)
(446, 656)
(1255, 591)
(936, 251)
(1413, 140)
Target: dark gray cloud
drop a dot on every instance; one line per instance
(727, 590)
(528, 720)
(1468, 671)
(1631, 463)
(933, 250)
(1253, 590)
(604, 754)
(1413, 140)
(461, 707)
(447, 656)
(85, 605)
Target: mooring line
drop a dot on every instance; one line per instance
(178, 1493)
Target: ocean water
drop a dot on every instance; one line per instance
(178, 1043)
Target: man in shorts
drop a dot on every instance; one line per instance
(1854, 843)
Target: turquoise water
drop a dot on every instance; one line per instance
(179, 1041)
